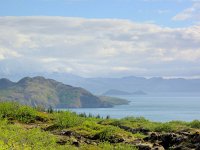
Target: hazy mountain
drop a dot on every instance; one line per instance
(132, 83)
(116, 92)
(127, 84)
(139, 92)
(5, 83)
(40, 91)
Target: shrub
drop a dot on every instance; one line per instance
(67, 119)
(195, 124)
(13, 110)
(8, 109)
(163, 127)
(106, 134)
(114, 135)
(26, 114)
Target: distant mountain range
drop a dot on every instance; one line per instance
(130, 84)
(118, 92)
(127, 84)
(47, 92)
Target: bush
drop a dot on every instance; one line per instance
(195, 124)
(163, 127)
(107, 134)
(13, 110)
(8, 109)
(114, 135)
(67, 119)
(26, 114)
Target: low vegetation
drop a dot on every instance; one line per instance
(24, 127)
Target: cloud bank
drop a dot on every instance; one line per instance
(97, 47)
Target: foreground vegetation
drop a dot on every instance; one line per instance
(24, 127)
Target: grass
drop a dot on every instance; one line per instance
(140, 122)
(67, 119)
(15, 137)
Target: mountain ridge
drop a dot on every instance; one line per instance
(100, 85)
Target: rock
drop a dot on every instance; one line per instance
(197, 146)
(144, 146)
(39, 118)
(170, 139)
(195, 138)
(134, 130)
(179, 140)
(70, 133)
(156, 146)
(93, 143)
(67, 133)
(180, 148)
(50, 128)
(184, 133)
(137, 141)
(61, 142)
(88, 141)
(143, 130)
(154, 137)
(116, 140)
(75, 143)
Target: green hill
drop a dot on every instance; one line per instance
(47, 92)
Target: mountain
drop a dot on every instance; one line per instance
(139, 92)
(116, 92)
(128, 84)
(47, 92)
(114, 100)
(132, 83)
(5, 83)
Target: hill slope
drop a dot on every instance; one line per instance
(46, 92)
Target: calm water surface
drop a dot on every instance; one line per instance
(163, 107)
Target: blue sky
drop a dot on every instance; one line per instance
(108, 38)
(158, 11)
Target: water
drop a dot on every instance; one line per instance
(156, 107)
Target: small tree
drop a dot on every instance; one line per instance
(50, 109)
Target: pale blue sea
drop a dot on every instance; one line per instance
(155, 107)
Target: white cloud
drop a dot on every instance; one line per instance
(7, 53)
(121, 68)
(97, 47)
(192, 12)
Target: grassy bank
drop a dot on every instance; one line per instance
(24, 127)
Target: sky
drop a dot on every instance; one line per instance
(104, 38)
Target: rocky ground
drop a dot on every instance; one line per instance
(181, 140)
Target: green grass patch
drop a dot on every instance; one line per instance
(16, 138)
(67, 119)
